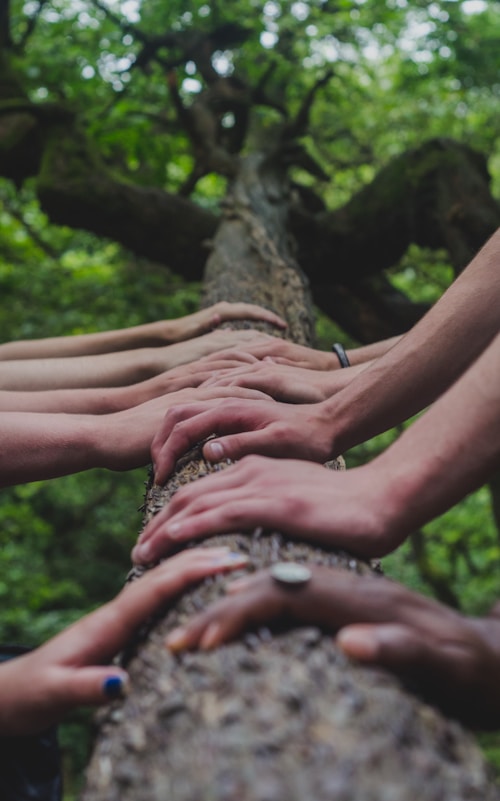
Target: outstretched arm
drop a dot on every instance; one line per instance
(428, 359)
(455, 660)
(161, 332)
(37, 446)
(366, 353)
(118, 369)
(72, 669)
(105, 400)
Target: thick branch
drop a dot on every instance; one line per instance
(436, 196)
(370, 310)
(75, 189)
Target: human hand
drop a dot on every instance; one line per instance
(243, 427)
(282, 382)
(38, 688)
(281, 351)
(192, 325)
(455, 660)
(222, 339)
(122, 440)
(344, 509)
(191, 374)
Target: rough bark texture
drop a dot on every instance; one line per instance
(279, 715)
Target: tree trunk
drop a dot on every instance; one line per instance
(281, 715)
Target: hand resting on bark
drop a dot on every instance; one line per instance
(72, 669)
(453, 660)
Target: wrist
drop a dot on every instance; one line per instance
(170, 331)
(408, 492)
(104, 440)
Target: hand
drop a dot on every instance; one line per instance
(184, 376)
(281, 351)
(343, 509)
(282, 382)
(267, 427)
(122, 440)
(37, 689)
(454, 659)
(192, 325)
(196, 348)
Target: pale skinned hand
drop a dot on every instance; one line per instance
(281, 351)
(192, 374)
(285, 383)
(333, 508)
(243, 427)
(222, 339)
(192, 325)
(455, 660)
(122, 440)
(40, 687)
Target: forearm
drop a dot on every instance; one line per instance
(447, 453)
(76, 401)
(39, 446)
(140, 336)
(101, 370)
(427, 360)
(118, 369)
(366, 353)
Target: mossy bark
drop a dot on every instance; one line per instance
(279, 715)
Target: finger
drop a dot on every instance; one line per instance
(250, 311)
(180, 431)
(229, 479)
(233, 391)
(100, 635)
(400, 647)
(92, 686)
(192, 525)
(227, 618)
(184, 426)
(232, 355)
(235, 446)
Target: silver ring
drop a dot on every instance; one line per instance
(290, 574)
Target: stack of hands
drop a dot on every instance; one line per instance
(282, 410)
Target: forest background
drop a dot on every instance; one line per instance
(402, 73)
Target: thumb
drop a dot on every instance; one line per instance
(394, 645)
(91, 686)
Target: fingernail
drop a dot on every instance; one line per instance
(174, 529)
(210, 637)
(176, 640)
(358, 644)
(140, 553)
(238, 584)
(231, 558)
(215, 451)
(115, 687)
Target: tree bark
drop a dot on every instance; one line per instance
(279, 714)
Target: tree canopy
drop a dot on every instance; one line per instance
(127, 120)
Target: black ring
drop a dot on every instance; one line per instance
(342, 355)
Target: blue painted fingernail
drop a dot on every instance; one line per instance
(114, 687)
